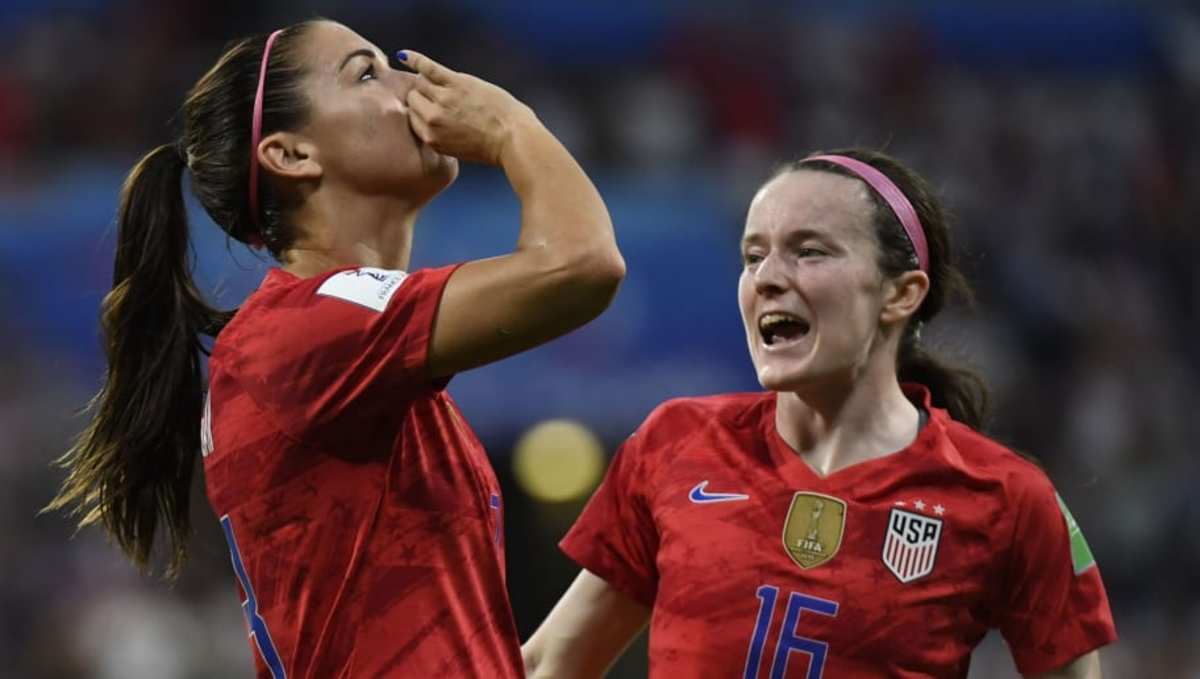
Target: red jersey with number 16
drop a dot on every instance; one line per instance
(362, 515)
(758, 568)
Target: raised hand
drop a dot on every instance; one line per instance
(460, 115)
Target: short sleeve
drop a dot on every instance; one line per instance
(615, 537)
(336, 356)
(1054, 607)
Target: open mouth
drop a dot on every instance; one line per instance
(778, 328)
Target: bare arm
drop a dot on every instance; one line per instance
(1086, 666)
(585, 633)
(565, 268)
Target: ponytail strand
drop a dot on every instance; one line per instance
(960, 391)
(131, 468)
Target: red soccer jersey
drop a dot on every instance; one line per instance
(896, 567)
(362, 514)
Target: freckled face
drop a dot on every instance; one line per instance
(359, 120)
(811, 291)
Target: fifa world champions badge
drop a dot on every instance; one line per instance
(812, 532)
(911, 544)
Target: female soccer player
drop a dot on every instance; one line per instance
(849, 522)
(362, 516)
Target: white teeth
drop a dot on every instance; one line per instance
(775, 317)
(772, 324)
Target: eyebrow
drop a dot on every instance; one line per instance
(797, 235)
(361, 52)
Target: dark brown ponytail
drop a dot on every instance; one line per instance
(961, 391)
(131, 468)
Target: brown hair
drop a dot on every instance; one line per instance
(959, 390)
(131, 468)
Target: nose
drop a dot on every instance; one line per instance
(401, 81)
(769, 278)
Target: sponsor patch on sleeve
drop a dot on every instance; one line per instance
(365, 286)
(1081, 554)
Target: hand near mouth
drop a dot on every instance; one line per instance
(460, 115)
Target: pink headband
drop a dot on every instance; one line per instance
(893, 196)
(256, 134)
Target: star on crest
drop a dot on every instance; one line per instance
(939, 510)
(900, 503)
(919, 505)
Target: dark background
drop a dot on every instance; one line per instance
(1063, 134)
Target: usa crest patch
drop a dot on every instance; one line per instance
(911, 544)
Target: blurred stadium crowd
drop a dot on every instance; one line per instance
(1064, 135)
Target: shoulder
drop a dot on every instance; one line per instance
(286, 307)
(363, 287)
(278, 293)
(724, 410)
(682, 422)
(683, 435)
(369, 287)
(985, 458)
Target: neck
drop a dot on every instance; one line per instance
(338, 229)
(833, 428)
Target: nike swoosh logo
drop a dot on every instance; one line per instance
(700, 497)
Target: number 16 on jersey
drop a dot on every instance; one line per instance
(788, 642)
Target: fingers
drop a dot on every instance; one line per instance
(420, 111)
(432, 92)
(427, 67)
(421, 129)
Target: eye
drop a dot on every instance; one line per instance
(368, 74)
(751, 258)
(809, 252)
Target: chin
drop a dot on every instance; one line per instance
(777, 378)
(447, 170)
(435, 175)
(783, 382)
(798, 378)
(434, 164)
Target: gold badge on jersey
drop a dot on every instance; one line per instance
(812, 532)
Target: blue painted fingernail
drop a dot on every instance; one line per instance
(402, 55)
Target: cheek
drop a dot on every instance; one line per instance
(382, 128)
(745, 296)
(368, 123)
(859, 304)
(843, 297)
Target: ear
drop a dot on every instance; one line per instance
(290, 155)
(902, 296)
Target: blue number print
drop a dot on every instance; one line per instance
(258, 626)
(788, 641)
(766, 608)
(494, 503)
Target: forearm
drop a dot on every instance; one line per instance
(1086, 666)
(585, 632)
(562, 214)
(548, 655)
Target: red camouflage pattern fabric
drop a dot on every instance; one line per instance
(366, 513)
(723, 588)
